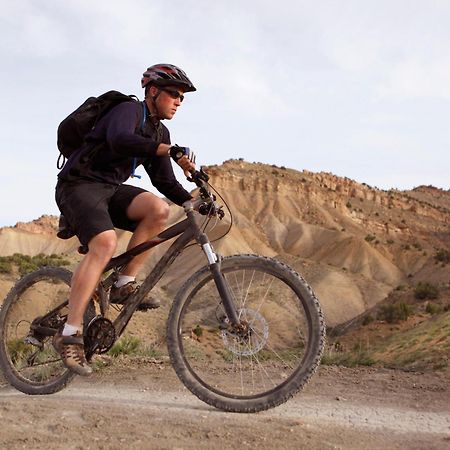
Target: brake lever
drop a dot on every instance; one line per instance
(198, 177)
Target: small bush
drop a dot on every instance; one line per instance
(133, 346)
(367, 320)
(394, 313)
(27, 263)
(426, 291)
(432, 308)
(369, 238)
(442, 255)
(358, 356)
(5, 266)
(198, 331)
(127, 345)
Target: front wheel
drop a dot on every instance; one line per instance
(264, 362)
(34, 309)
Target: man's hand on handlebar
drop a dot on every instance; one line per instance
(184, 157)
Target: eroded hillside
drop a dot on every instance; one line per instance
(354, 243)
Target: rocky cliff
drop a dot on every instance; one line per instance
(354, 243)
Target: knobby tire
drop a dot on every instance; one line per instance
(272, 360)
(29, 368)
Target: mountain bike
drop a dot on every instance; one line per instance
(244, 333)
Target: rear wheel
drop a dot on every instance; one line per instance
(267, 359)
(34, 309)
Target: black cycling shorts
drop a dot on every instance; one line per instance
(91, 208)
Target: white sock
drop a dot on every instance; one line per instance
(70, 330)
(123, 279)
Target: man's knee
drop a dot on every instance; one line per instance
(104, 244)
(162, 212)
(157, 212)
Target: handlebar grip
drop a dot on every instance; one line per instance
(198, 177)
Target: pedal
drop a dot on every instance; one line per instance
(148, 306)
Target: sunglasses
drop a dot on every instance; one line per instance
(174, 94)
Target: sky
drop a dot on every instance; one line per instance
(357, 88)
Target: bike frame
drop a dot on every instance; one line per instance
(187, 230)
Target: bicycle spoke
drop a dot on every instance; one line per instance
(36, 306)
(267, 307)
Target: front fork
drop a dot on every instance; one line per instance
(221, 282)
(214, 264)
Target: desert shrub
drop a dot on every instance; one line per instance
(369, 238)
(426, 291)
(198, 331)
(432, 308)
(27, 267)
(127, 345)
(358, 356)
(442, 255)
(5, 265)
(348, 205)
(394, 313)
(27, 263)
(133, 346)
(400, 287)
(368, 319)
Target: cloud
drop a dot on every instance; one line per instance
(399, 49)
(30, 29)
(315, 80)
(417, 78)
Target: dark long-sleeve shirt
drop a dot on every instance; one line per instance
(119, 138)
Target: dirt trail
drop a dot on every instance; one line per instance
(146, 407)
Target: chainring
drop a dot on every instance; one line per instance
(99, 336)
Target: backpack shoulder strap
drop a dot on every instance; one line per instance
(144, 116)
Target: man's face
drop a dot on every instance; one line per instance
(168, 101)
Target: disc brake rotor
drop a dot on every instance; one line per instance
(252, 338)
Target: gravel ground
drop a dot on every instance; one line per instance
(140, 405)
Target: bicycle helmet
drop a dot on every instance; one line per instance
(162, 75)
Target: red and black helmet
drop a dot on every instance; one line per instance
(167, 75)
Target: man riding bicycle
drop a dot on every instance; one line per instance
(93, 199)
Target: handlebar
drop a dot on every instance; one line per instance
(205, 203)
(199, 177)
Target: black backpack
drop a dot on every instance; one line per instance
(74, 128)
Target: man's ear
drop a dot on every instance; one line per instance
(152, 91)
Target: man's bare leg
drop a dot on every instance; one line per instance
(69, 342)
(152, 213)
(87, 274)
